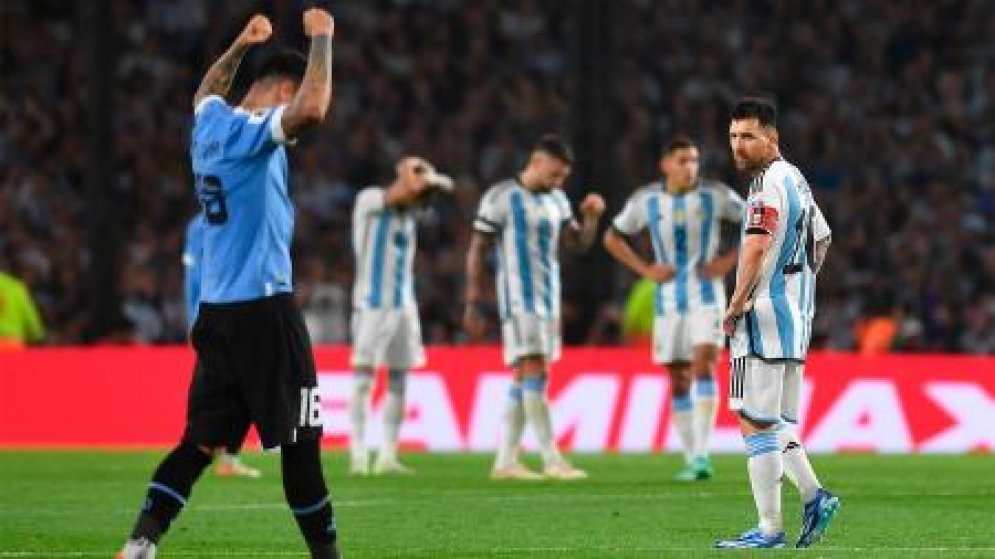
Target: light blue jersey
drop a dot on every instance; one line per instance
(779, 325)
(193, 253)
(527, 225)
(240, 171)
(384, 240)
(684, 229)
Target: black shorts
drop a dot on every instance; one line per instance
(254, 366)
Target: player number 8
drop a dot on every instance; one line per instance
(212, 198)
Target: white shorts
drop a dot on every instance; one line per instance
(390, 337)
(525, 335)
(765, 391)
(676, 335)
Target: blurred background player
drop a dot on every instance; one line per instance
(229, 464)
(769, 319)
(683, 216)
(386, 328)
(251, 341)
(523, 218)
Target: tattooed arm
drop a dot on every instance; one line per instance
(219, 77)
(313, 97)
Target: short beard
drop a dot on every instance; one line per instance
(751, 170)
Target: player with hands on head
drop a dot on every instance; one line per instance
(386, 330)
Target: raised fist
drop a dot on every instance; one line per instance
(258, 30)
(593, 205)
(318, 22)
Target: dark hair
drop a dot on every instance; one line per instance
(284, 63)
(555, 146)
(756, 107)
(680, 141)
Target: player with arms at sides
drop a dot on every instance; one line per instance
(769, 319)
(251, 342)
(523, 219)
(386, 329)
(229, 464)
(683, 216)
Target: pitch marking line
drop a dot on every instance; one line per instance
(506, 551)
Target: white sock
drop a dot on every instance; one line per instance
(766, 469)
(514, 426)
(358, 411)
(393, 413)
(704, 408)
(537, 413)
(796, 465)
(680, 415)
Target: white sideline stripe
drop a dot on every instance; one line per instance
(280, 505)
(501, 551)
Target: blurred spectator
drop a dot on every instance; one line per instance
(883, 107)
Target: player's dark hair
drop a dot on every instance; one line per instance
(284, 63)
(553, 145)
(679, 141)
(756, 107)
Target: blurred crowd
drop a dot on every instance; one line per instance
(887, 108)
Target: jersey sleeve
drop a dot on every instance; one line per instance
(765, 206)
(820, 227)
(370, 200)
(632, 218)
(732, 205)
(563, 205)
(492, 213)
(243, 134)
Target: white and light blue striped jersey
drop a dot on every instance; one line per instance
(527, 225)
(384, 240)
(779, 326)
(240, 175)
(685, 230)
(193, 253)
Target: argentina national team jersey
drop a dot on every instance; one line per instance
(240, 171)
(384, 242)
(779, 326)
(193, 249)
(685, 232)
(527, 225)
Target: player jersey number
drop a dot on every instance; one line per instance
(212, 199)
(310, 408)
(804, 249)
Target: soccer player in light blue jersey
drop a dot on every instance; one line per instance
(229, 464)
(255, 357)
(386, 330)
(683, 216)
(769, 319)
(523, 220)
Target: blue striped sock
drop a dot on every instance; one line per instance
(704, 387)
(761, 443)
(681, 403)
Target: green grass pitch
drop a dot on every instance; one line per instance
(82, 504)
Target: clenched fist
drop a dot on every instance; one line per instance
(258, 30)
(592, 206)
(318, 22)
